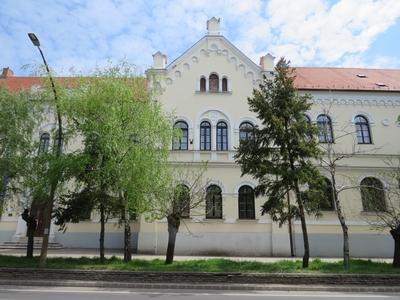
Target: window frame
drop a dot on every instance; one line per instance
(213, 83)
(246, 199)
(325, 137)
(328, 197)
(44, 143)
(203, 84)
(222, 136)
(183, 139)
(205, 136)
(362, 126)
(224, 84)
(249, 134)
(212, 211)
(368, 207)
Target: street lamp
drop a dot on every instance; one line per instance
(35, 41)
(53, 185)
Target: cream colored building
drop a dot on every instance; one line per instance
(207, 88)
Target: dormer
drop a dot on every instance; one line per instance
(213, 25)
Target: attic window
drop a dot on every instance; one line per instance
(361, 76)
(380, 84)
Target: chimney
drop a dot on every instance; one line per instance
(267, 63)
(159, 60)
(213, 26)
(7, 72)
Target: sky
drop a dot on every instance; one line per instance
(82, 34)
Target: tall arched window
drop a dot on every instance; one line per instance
(224, 84)
(181, 142)
(246, 203)
(202, 84)
(56, 138)
(362, 130)
(222, 136)
(246, 131)
(372, 194)
(214, 202)
(308, 136)
(213, 82)
(325, 133)
(326, 202)
(205, 136)
(44, 143)
(181, 203)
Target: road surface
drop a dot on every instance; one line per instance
(64, 293)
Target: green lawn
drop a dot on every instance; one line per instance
(210, 265)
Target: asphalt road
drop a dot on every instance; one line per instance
(49, 293)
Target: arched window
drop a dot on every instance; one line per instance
(224, 84)
(181, 142)
(202, 84)
(214, 202)
(372, 194)
(56, 138)
(326, 202)
(246, 203)
(222, 136)
(246, 131)
(362, 130)
(308, 136)
(205, 136)
(181, 203)
(213, 82)
(325, 133)
(44, 143)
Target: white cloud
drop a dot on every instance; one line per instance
(86, 33)
(313, 31)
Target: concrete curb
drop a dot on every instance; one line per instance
(226, 287)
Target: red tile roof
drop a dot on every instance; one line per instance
(347, 79)
(341, 79)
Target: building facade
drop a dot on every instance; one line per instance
(207, 88)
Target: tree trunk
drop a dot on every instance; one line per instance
(31, 224)
(102, 230)
(30, 232)
(290, 226)
(345, 230)
(306, 256)
(396, 237)
(173, 227)
(47, 223)
(29, 246)
(127, 236)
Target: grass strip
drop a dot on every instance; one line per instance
(204, 265)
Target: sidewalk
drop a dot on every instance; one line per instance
(70, 252)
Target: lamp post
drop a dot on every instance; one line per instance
(54, 181)
(35, 42)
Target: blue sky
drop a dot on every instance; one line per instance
(83, 34)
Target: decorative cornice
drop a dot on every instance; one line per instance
(356, 99)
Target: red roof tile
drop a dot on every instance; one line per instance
(342, 79)
(347, 79)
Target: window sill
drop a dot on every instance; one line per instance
(219, 92)
(247, 220)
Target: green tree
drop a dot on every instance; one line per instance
(384, 201)
(20, 115)
(180, 195)
(133, 137)
(92, 191)
(280, 153)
